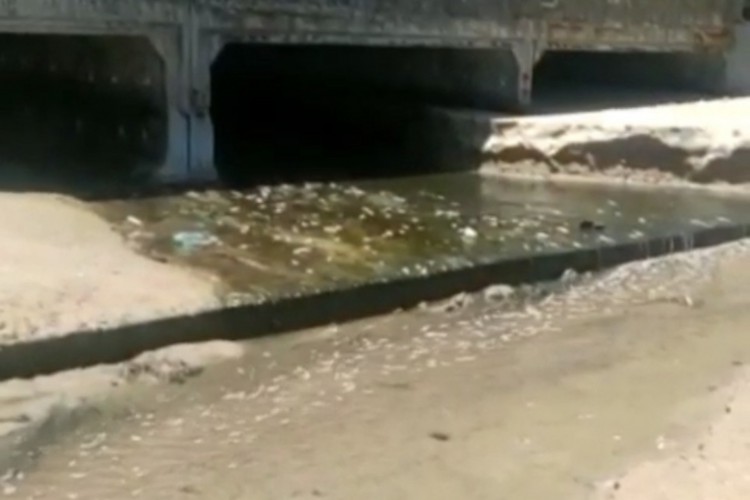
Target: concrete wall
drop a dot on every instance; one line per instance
(570, 23)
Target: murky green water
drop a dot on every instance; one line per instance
(291, 240)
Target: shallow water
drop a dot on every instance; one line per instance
(292, 240)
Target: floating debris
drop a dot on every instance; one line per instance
(131, 219)
(569, 276)
(588, 225)
(189, 241)
(498, 292)
(289, 240)
(469, 233)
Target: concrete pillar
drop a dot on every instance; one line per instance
(526, 53)
(190, 136)
(176, 166)
(204, 49)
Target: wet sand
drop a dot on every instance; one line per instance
(598, 390)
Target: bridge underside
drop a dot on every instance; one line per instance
(153, 81)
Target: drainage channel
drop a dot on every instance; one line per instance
(292, 257)
(297, 255)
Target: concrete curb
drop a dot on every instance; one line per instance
(113, 345)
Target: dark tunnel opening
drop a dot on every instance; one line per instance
(583, 80)
(91, 110)
(312, 113)
(79, 110)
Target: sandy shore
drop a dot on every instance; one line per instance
(711, 463)
(63, 269)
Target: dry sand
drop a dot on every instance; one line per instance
(712, 463)
(63, 269)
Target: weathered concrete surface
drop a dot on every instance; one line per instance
(701, 142)
(479, 21)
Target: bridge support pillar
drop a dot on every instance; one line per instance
(526, 54)
(204, 50)
(187, 80)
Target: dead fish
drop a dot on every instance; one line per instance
(498, 292)
(589, 225)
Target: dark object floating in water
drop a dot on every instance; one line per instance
(588, 225)
(440, 436)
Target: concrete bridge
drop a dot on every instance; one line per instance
(161, 52)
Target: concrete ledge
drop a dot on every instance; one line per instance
(111, 345)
